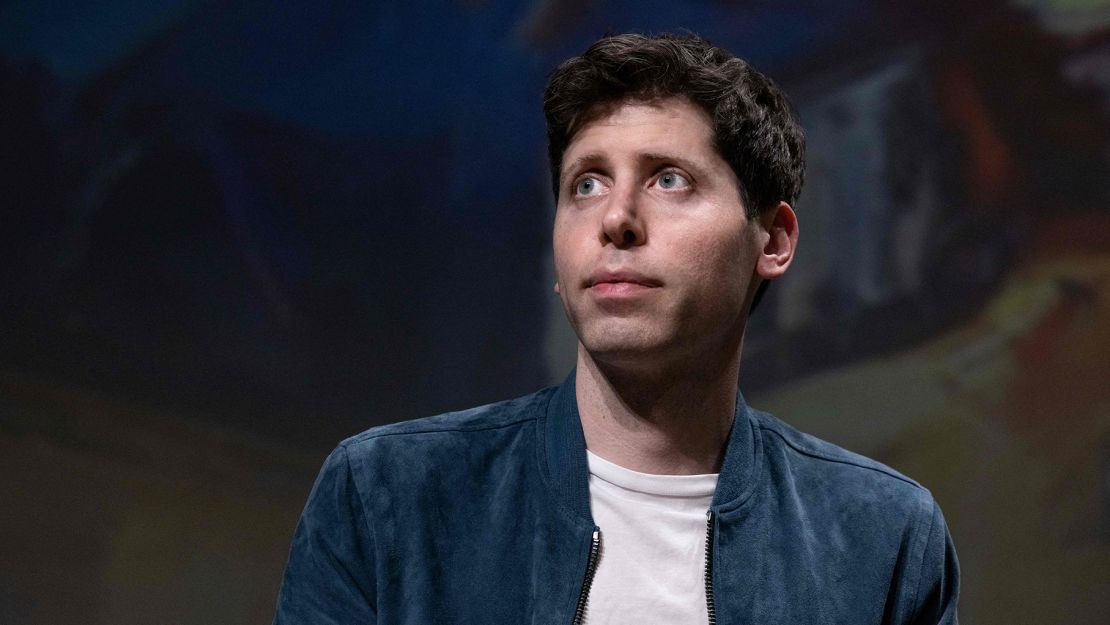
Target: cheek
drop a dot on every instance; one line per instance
(719, 273)
(715, 258)
(571, 252)
(560, 240)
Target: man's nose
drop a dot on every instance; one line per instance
(623, 225)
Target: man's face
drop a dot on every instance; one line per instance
(653, 253)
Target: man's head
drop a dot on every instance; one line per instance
(673, 184)
(753, 128)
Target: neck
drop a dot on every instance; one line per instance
(672, 421)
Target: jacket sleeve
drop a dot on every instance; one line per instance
(938, 587)
(329, 578)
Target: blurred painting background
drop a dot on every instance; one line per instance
(232, 234)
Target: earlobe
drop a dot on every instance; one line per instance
(781, 227)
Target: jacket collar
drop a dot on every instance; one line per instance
(564, 453)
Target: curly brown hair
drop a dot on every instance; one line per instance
(754, 128)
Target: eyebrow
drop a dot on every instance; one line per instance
(651, 157)
(592, 157)
(686, 163)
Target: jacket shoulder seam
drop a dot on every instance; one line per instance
(372, 435)
(921, 564)
(363, 515)
(812, 453)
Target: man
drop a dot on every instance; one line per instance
(643, 489)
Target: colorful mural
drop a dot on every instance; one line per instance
(233, 233)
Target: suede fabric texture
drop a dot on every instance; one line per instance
(482, 516)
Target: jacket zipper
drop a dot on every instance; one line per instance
(591, 568)
(709, 568)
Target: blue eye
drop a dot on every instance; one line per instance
(587, 186)
(672, 180)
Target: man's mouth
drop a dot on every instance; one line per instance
(620, 282)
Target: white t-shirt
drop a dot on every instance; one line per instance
(653, 527)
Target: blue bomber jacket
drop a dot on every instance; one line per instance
(483, 517)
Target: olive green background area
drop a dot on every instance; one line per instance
(114, 514)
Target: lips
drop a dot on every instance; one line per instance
(620, 281)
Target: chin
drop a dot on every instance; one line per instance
(621, 344)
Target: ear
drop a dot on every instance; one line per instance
(780, 230)
(556, 286)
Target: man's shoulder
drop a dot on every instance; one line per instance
(850, 473)
(447, 457)
(486, 418)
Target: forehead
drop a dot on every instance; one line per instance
(663, 127)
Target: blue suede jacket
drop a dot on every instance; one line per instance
(483, 516)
